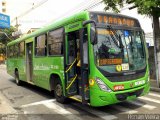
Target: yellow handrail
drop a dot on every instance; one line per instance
(72, 82)
(71, 66)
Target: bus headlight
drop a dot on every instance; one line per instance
(102, 85)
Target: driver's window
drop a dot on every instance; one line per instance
(139, 44)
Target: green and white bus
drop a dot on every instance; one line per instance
(96, 58)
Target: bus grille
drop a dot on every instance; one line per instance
(123, 96)
(126, 77)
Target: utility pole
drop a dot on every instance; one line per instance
(29, 10)
(17, 25)
(156, 36)
(23, 14)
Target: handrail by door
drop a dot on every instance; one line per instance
(71, 65)
(73, 79)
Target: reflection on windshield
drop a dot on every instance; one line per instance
(119, 47)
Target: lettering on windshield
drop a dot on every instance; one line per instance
(105, 32)
(110, 62)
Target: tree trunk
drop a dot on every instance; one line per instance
(156, 35)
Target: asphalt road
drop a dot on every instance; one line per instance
(29, 102)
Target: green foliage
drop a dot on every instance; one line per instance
(147, 7)
(112, 4)
(4, 39)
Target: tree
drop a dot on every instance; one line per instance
(145, 7)
(5, 37)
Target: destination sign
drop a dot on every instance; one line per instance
(115, 19)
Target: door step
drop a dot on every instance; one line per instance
(77, 98)
(30, 82)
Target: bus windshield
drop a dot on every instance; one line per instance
(120, 50)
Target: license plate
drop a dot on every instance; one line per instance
(125, 66)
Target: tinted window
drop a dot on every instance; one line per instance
(55, 42)
(16, 49)
(11, 48)
(21, 49)
(40, 45)
(9, 51)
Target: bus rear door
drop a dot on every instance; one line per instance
(29, 61)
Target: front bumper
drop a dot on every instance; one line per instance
(102, 98)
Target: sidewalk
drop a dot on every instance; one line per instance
(155, 89)
(2, 66)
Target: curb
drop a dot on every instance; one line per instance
(155, 89)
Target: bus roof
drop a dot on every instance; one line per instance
(84, 15)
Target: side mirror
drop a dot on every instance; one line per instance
(93, 35)
(93, 31)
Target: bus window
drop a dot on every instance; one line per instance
(40, 45)
(21, 49)
(7, 52)
(16, 51)
(11, 49)
(55, 42)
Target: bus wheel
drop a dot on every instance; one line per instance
(58, 92)
(18, 82)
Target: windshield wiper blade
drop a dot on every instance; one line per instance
(114, 41)
(117, 36)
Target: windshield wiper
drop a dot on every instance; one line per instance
(117, 36)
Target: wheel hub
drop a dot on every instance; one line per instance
(59, 90)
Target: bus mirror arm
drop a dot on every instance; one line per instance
(89, 22)
(93, 31)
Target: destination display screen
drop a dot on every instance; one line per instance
(110, 61)
(114, 19)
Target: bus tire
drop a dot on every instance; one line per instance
(18, 82)
(58, 92)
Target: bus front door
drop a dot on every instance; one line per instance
(29, 57)
(76, 68)
(71, 81)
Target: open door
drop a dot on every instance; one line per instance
(76, 65)
(84, 66)
(71, 76)
(29, 61)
